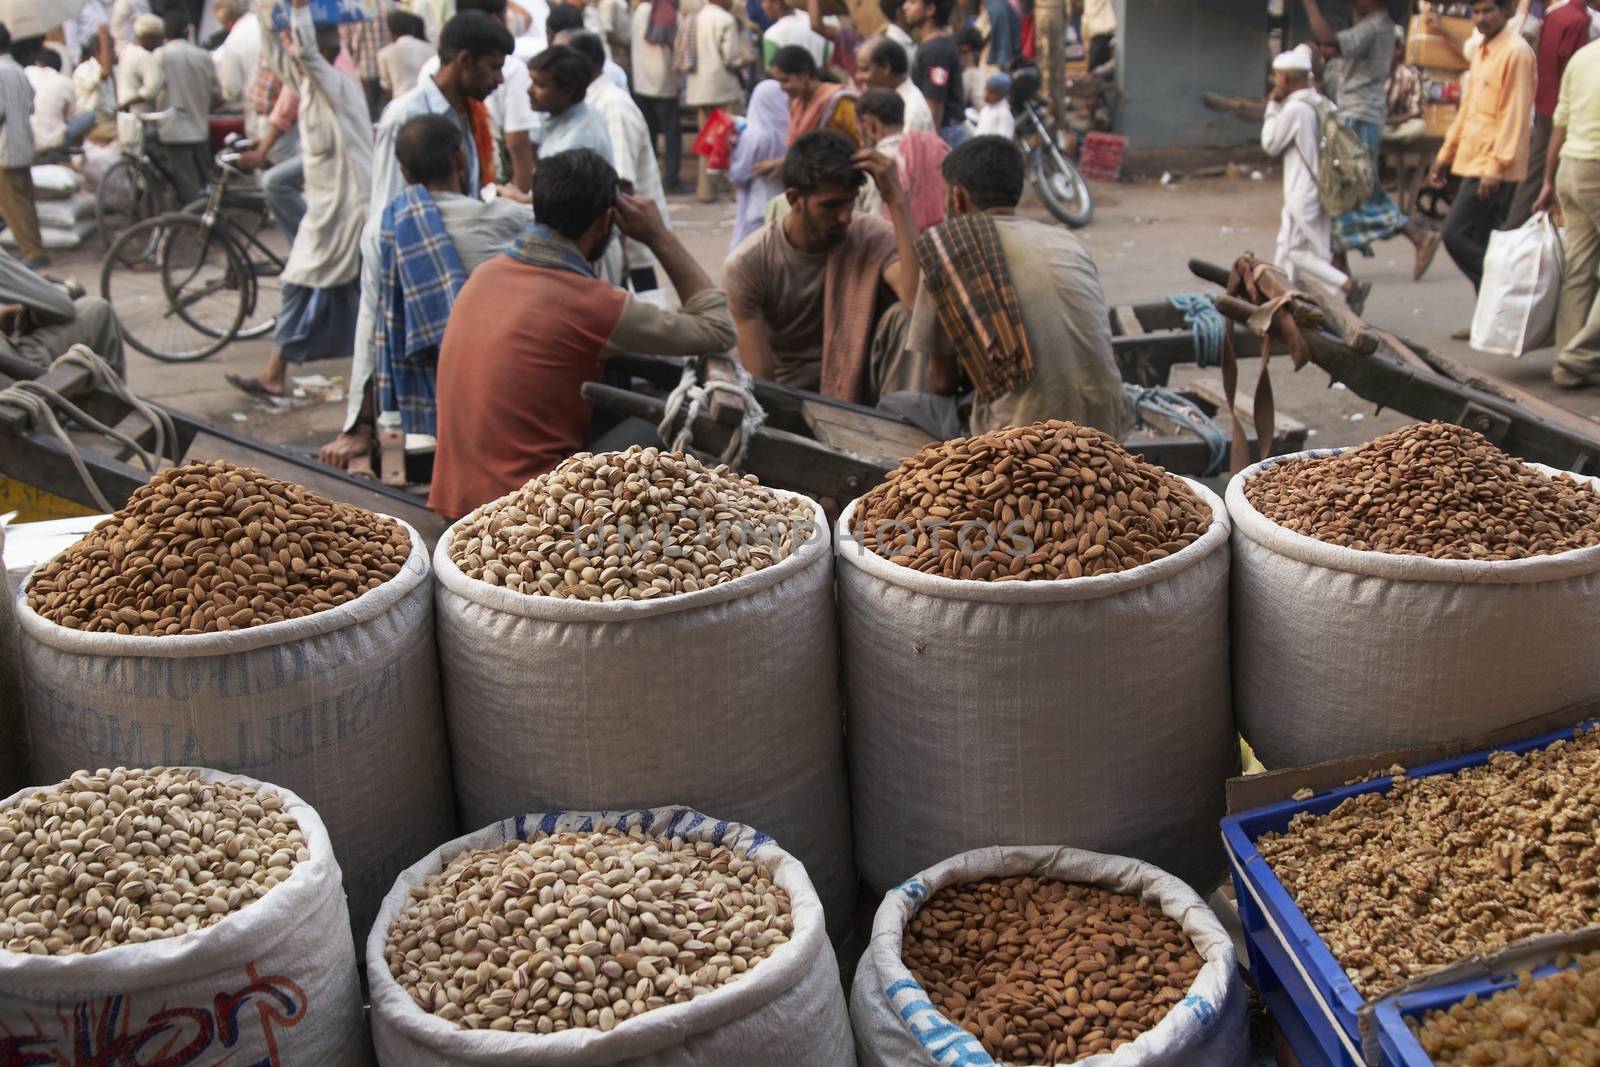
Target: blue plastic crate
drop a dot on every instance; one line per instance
(1313, 1002)
(1399, 1045)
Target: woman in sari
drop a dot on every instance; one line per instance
(813, 104)
(758, 158)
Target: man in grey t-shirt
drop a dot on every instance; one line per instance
(1361, 56)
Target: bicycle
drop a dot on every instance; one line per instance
(138, 185)
(186, 283)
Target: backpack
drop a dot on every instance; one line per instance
(1345, 171)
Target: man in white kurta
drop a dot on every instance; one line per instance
(633, 154)
(1290, 132)
(321, 291)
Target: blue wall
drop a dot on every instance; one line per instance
(1171, 50)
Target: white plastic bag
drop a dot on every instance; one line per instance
(1092, 712)
(725, 699)
(341, 706)
(788, 1011)
(897, 1026)
(1338, 651)
(272, 983)
(1521, 285)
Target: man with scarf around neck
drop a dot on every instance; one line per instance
(472, 51)
(1009, 309)
(532, 325)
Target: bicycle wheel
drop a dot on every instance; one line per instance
(164, 275)
(123, 199)
(206, 276)
(256, 240)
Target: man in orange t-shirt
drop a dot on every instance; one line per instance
(533, 324)
(1488, 143)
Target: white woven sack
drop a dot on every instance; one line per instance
(57, 238)
(65, 214)
(274, 982)
(1339, 651)
(13, 751)
(788, 1011)
(341, 706)
(52, 181)
(897, 1026)
(725, 699)
(1091, 712)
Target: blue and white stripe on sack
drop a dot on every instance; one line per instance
(944, 1042)
(1203, 1009)
(660, 822)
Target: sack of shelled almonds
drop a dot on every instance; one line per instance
(1026, 955)
(227, 619)
(1034, 631)
(1422, 588)
(176, 909)
(13, 753)
(674, 940)
(636, 626)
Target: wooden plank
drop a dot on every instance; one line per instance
(1244, 407)
(724, 407)
(778, 458)
(1126, 322)
(867, 437)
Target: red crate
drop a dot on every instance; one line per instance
(1101, 156)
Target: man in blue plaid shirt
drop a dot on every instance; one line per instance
(432, 237)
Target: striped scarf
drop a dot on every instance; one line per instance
(540, 246)
(968, 280)
(420, 275)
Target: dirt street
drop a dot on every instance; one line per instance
(1142, 238)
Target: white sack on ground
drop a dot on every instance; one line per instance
(274, 982)
(787, 1011)
(1089, 712)
(897, 1026)
(1338, 651)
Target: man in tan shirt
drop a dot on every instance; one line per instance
(1487, 146)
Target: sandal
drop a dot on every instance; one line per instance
(253, 387)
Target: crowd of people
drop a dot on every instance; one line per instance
(475, 197)
(1525, 139)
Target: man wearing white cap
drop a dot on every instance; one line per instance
(1290, 131)
(138, 71)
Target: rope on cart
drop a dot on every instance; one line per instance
(166, 445)
(1205, 322)
(1185, 413)
(690, 389)
(41, 402)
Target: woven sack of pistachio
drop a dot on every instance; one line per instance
(1422, 588)
(340, 703)
(636, 627)
(130, 939)
(1070, 689)
(13, 754)
(1119, 964)
(665, 938)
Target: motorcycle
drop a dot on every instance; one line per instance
(1055, 177)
